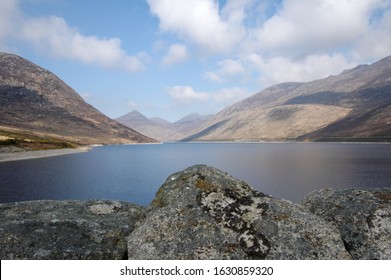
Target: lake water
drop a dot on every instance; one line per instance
(135, 172)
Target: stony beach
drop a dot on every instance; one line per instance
(11, 155)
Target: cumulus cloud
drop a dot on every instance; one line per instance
(309, 39)
(307, 26)
(296, 27)
(177, 53)
(201, 22)
(227, 96)
(280, 69)
(186, 95)
(227, 69)
(376, 43)
(55, 36)
(302, 40)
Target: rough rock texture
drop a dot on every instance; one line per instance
(66, 229)
(362, 216)
(204, 213)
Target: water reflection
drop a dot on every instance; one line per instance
(135, 172)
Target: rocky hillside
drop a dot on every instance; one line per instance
(161, 129)
(36, 103)
(202, 213)
(352, 106)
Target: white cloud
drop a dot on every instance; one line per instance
(297, 27)
(177, 53)
(294, 40)
(228, 96)
(53, 35)
(308, 26)
(308, 39)
(377, 41)
(282, 69)
(227, 69)
(200, 22)
(340, 33)
(187, 95)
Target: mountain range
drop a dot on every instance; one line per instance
(162, 129)
(37, 106)
(352, 106)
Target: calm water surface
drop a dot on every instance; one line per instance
(135, 172)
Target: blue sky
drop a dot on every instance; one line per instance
(169, 58)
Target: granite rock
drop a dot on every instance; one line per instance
(362, 216)
(66, 229)
(204, 213)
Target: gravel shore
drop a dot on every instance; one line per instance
(12, 156)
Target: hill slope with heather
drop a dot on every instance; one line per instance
(352, 106)
(35, 104)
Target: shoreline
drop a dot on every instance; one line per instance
(26, 155)
(271, 142)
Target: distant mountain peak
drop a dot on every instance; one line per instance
(162, 129)
(191, 118)
(133, 116)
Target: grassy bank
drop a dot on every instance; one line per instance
(24, 141)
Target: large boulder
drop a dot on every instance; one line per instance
(66, 229)
(204, 213)
(362, 216)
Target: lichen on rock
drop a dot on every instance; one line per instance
(204, 213)
(66, 229)
(362, 216)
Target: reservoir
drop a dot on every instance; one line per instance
(134, 173)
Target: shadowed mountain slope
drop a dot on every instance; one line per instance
(352, 106)
(35, 101)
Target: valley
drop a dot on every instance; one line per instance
(39, 111)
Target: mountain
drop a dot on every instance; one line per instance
(37, 104)
(158, 129)
(352, 106)
(189, 123)
(161, 129)
(160, 121)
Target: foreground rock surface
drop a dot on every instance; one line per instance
(362, 216)
(66, 229)
(204, 213)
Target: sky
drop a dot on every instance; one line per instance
(170, 58)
